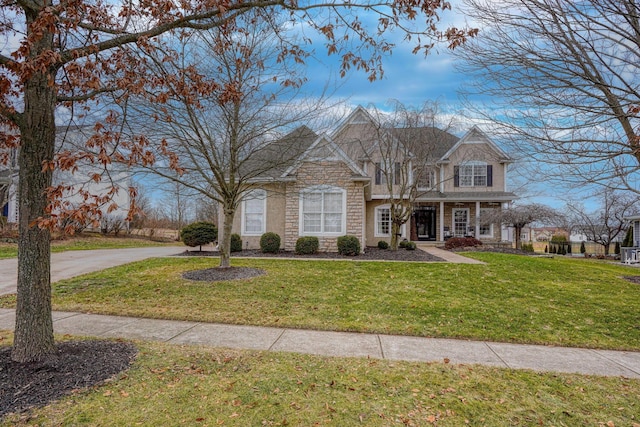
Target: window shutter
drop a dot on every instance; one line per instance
(456, 176)
(378, 174)
(489, 175)
(396, 174)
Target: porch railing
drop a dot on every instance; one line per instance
(630, 255)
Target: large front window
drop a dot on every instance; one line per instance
(323, 211)
(254, 207)
(473, 174)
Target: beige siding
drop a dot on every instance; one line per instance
(474, 152)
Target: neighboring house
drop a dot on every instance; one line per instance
(631, 254)
(334, 188)
(81, 180)
(542, 234)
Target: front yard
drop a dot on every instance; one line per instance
(511, 298)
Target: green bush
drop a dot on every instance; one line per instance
(383, 245)
(307, 245)
(527, 247)
(546, 249)
(236, 243)
(348, 245)
(403, 244)
(410, 246)
(583, 249)
(198, 234)
(462, 242)
(270, 243)
(616, 249)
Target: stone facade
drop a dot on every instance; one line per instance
(334, 174)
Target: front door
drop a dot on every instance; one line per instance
(426, 223)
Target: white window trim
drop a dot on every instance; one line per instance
(432, 180)
(254, 194)
(473, 165)
(403, 227)
(322, 189)
(453, 220)
(491, 228)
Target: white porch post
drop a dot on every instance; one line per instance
(442, 221)
(477, 232)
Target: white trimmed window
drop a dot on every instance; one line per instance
(486, 230)
(383, 222)
(254, 207)
(323, 211)
(460, 222)
(472, 174)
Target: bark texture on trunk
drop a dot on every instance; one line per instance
(33, 339)
(225, 243)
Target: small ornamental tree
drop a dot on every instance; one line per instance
(198, 234)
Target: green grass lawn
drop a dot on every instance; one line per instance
(512, 298)
(185, 385)
(86, 242)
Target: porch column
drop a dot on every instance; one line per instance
(441, 221)
(477, 232)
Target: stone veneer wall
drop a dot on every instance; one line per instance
(336, 174)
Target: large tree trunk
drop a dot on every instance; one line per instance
(34, 326)
(33, 339)
(225, 243)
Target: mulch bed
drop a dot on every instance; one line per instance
(76, 365)
(370, 254)
(632, 279)
(220, 274)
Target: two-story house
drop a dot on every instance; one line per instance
(72, 139)
(340, 185)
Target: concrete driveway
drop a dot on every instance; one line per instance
(74, 263)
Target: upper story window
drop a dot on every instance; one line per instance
(473, 174)
(427, 179)
(382, 174)
(254, 206)
(323, 211)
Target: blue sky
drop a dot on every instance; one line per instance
(414, 79)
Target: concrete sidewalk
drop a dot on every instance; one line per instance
(392, 347)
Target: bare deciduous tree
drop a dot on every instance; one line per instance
(520, 216)
(568, 76)
(66, 54)
(217, 148)
(404, 147)
(606, 223)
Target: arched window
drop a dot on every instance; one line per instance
(323, 211)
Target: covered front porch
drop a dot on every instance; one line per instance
(441, 217)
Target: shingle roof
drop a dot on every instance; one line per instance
(276, 157)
